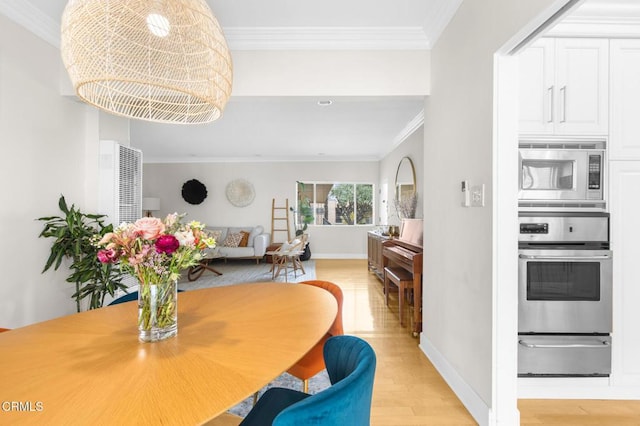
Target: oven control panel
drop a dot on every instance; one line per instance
(534, 228)
(562, 228)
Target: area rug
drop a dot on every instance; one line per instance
(317, 383)
(236, 271)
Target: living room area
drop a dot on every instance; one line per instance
(278, 181)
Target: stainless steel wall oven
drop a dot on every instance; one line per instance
(565, 295)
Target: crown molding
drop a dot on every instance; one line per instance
(619, 27)
(606, 8)
(326, 38)
(600, 18)
(256, 38)
(408, 130)
(266, 159)
(33, 19)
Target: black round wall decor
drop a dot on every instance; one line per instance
(194, 191)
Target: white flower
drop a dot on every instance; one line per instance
(185, 238)
(171, 219)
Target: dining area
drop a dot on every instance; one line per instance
(91, 368)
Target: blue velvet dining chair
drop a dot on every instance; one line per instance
(126, 298)
(351, 365)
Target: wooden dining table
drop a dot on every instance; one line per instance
(90, 369)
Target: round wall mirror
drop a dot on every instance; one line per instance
(406, 200)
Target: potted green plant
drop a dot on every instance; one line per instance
(303, 216)
(75, 237)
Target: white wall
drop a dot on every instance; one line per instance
(43, 144)
(412, 147)
(332, 73)
(458, 245)
(270, 180)
(50, 146)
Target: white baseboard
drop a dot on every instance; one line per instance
(574, 388)
(476, 406)
(339, 256)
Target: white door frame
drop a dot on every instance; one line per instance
(504, 410)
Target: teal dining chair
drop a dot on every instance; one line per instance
(126, 298)
(351, 364)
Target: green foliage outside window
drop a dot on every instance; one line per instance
(303, 216)
(339, 203)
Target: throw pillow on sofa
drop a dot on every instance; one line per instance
(216, 235)
(233, 240)
(245, 239)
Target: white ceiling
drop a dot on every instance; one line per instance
(296, 128)
(286, 128)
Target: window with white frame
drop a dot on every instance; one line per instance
(334, 204)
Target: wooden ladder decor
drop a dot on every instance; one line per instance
(277, 219)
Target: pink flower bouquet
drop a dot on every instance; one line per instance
(155, 252)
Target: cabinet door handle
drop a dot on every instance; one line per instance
(563, 98)
(550, 106)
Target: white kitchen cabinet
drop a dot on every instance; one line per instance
(536, 87)
(624, 140)
(624, 180)
(564, 87)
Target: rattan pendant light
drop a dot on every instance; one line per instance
(155, 60)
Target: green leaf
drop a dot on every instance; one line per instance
(52, 257)
(72, 234)
(62, 204)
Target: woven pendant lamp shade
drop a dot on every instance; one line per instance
(155, 60)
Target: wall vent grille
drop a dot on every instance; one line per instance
(120, 182)
(129, 185)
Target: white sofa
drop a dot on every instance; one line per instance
(256, 247)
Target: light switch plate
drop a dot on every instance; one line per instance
(477, 195)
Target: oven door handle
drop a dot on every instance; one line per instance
(586, 258)
(600, 344)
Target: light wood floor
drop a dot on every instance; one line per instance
(407, 388)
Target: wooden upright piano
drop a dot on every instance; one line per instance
(406, 252)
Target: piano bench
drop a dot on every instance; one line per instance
(403, 280)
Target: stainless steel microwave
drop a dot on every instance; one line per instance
(560, 175)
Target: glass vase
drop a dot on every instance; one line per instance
(157, 311)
